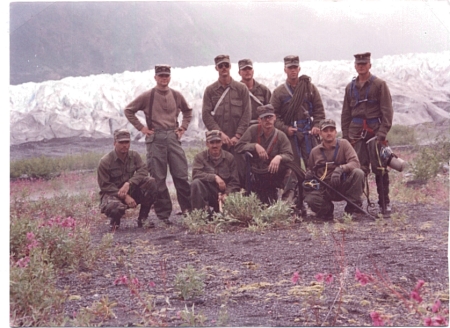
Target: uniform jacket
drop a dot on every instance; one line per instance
(112, 172)
(346, 157)
(232, 117)
(254, 135)
(204, 169)
(379, 105)
(263, 94)
(280, 101)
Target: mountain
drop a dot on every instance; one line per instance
(54, 40)
(92, 106)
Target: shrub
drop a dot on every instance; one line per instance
(34, 298)
(189, 282)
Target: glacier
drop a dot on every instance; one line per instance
(93, 106)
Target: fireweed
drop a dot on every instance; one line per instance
(428, 313)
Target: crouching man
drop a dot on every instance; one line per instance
(270, 150)
(335, 162)
(214, 174)
(124, 182)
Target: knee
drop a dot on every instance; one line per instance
(196, 185)
(115, 209)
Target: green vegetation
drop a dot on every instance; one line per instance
(401, 135)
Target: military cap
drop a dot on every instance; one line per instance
(122, 135)
(162, 69)
(243, 63)
(291, 61)
(327, 123)
(222, 59)
(265, 110)
(362, 58)
(213, 135)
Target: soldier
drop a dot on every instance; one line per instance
(299, 109)
(161, 106)
(214, 174)
(259, 93)
(226, 107)
(335, 162)
(271, 152)
(366, 120)
(124, 182)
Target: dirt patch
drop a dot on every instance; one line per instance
(248, 274)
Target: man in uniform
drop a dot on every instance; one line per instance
(226, 107)
(299, 109)
(214, 174)
(161, 106)
(366, 119)
(271, 151)
(124, 182)
(335, 162)
(259, 93)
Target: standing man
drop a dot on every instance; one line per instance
(124, 182)
(299, 109)
(226, 107)
(161, 106)
(259, 93)
(335, 162)
(271, 150)
(214, 174)
(366, 119)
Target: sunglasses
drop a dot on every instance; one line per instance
(222, 65)
(215, 142)
(268, 117)
(164, 75)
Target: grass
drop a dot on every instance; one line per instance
(52, 219)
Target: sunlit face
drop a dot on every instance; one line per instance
(267, 122)
(328, 134)
(292, 72)
(162, 80)
(223, 69)
(122, 147)
(362, 69)
(246, 73)
(214, 147)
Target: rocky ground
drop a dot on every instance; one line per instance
(248, 275)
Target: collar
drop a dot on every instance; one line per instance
(322, 146)
(218, 85)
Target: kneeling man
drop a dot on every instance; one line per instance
(335, 162)
(214, 174)
(124, 182)
(270, 150)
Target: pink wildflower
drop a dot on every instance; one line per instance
(376, 319)
(319, 277)
(416, 296)
(329, 278)
(362, 278)
(151, 284)
(123, 280)
(427, 321)
(23, 262)
(440, 320)
(419, 285)
(135, 281)
(295, 277)
(436, 306)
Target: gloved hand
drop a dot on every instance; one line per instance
(309, 175)
(336, 177)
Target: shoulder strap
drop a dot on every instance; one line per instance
(148, 118)
(220, 100)
(255, 98)
(334, 154)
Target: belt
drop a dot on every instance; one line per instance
(166, 129)
(359, 120)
